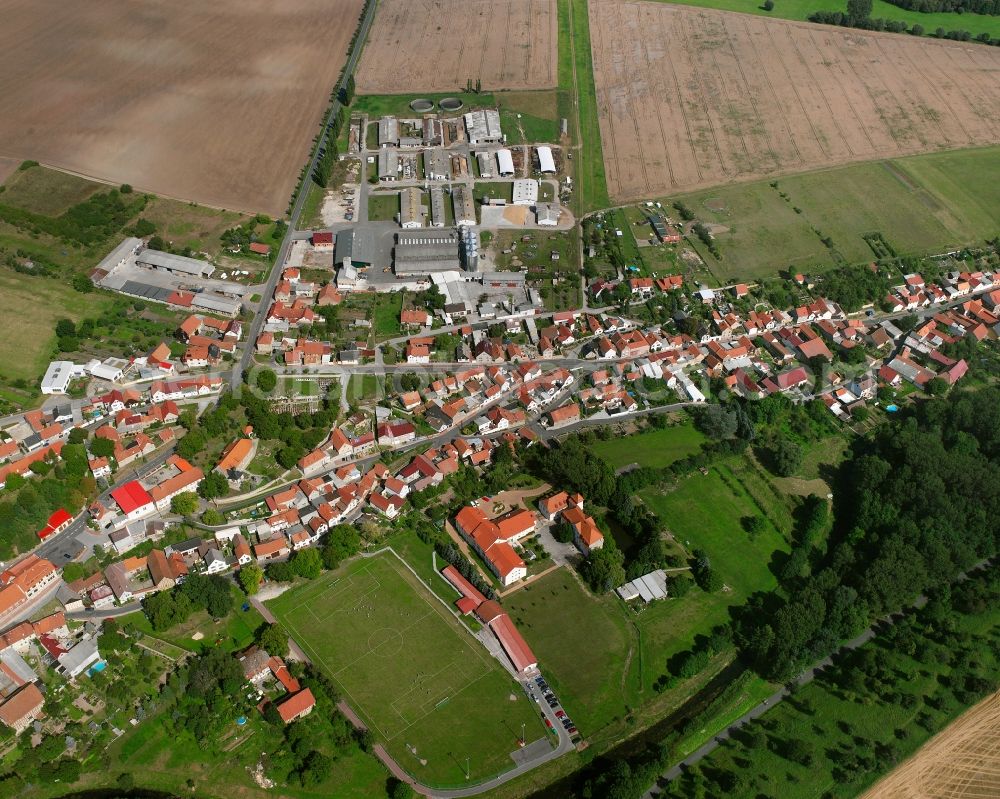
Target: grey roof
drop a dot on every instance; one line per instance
(79, 657)
(419, 252)
(388, 164)
(175, 263)
(215, 302)
(483, 126)
(464, 205)
(358, 244)
(388, 130)
(119, 254)
(15, 663)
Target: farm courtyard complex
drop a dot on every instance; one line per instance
(518, 399)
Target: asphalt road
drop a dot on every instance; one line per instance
(293, 219)
(78, 539)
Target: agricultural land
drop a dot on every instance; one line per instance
(441, 45)
(215, 103)
(690, 98)
(958, 763)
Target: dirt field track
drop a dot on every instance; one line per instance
(438, 45)
(690, 98)
(962, 762)
(209, 101)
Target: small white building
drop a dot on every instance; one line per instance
(505, 163)
(110, 369)
(546, 163)
(525, 192)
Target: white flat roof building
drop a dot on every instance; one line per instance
(58, 376)
(110, 369)
(546, 163)
(505, 163)
(525, 192)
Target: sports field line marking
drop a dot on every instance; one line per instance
(317, 658)
(437, 606)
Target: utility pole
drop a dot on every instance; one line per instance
(466, 767)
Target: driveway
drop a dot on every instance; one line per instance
(562, 554)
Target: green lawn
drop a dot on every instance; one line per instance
(26, 348)
(539, 118)
(801, 9)
(385, 314)
(656, 448)
(591, 190)
(383, 207)
(704, 512)
(410, 669)
(234, 632)
(583, 644)
(376, 105)
(922, 204)
(164, 761)
(47, 191)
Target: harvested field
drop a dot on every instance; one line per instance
(439, 45)
(961, 762)
(690, 98)
(212, 102)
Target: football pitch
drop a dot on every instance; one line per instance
(420, 681)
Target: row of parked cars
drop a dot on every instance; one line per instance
(550, 698)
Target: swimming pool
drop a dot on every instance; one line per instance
(892, 408)
(97, 668)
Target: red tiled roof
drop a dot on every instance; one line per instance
(131, 496)
(296, 705)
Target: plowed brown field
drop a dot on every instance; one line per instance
(209, 101)
(689, 98)
(439, 45)
(962, 762)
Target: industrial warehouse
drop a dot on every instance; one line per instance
(175, 280)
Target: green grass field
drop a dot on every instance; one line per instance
(235, 631)
(376, 105)
(831, 719)
(27, 346)
(922, 204)
(801, 9)
(591, 191)
(704, 512)
(47, 191)
(164, 761)
(383, 207)
(656, 448)
(584, 646)
(410, 669)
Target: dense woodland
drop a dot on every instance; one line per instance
(990, 7)
(915, 507)
(917, 504)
